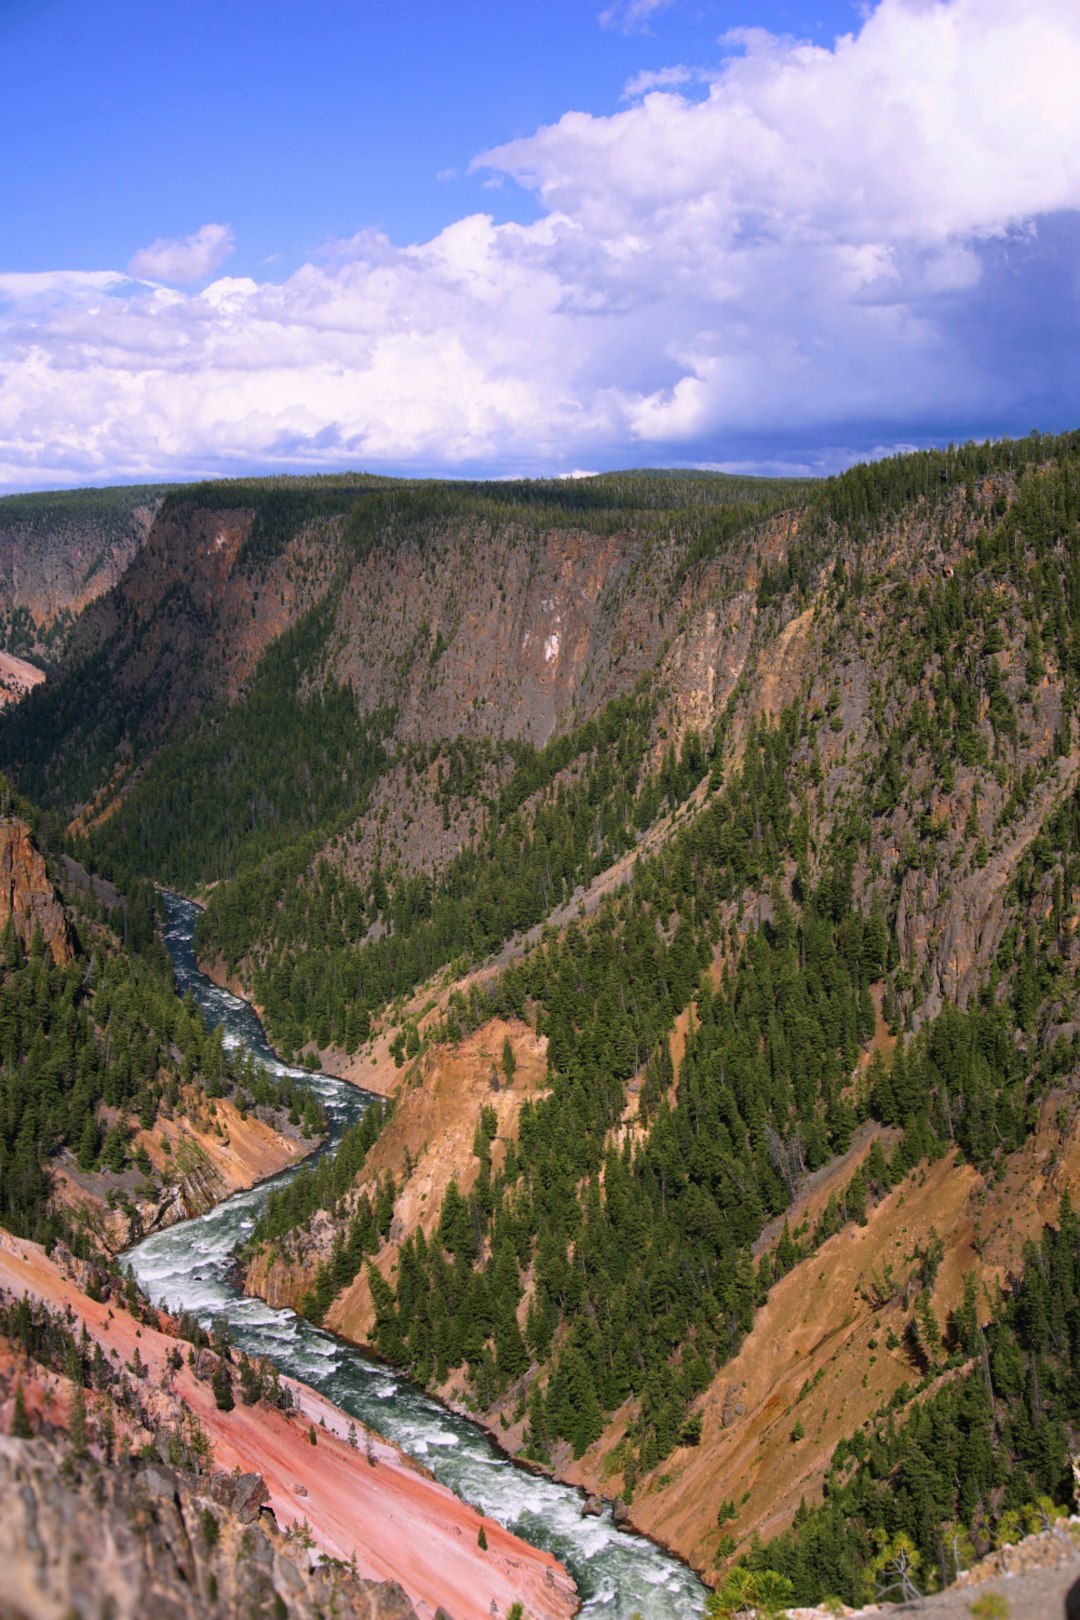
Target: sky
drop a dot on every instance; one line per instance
(301, 235)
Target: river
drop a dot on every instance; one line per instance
(189, 1267)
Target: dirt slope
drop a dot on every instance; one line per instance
(213, 1151)
(809, 1357)
(17, 677)
(428, 1142)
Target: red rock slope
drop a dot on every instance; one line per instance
(26, 895)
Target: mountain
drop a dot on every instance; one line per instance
(699, 861)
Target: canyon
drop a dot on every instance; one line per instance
(693, 862)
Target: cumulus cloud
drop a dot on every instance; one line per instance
(818, 253)
(193, 259)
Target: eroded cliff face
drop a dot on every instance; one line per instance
(183, 628)
(495, 634)
(197, 1159)
(27, 898)
(485, 631)
(428, 1143)
(190, 622)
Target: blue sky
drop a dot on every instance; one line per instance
(298, 122)
(479, 239)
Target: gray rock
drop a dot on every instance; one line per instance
(158, 1482)
(242, 1494)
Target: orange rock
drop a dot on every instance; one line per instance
(26, 895)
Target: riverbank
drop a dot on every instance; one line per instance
(371, 1069)
(196, 1158)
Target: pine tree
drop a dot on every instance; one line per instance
(20, 1418)
(221, 1384)
(77, 1421)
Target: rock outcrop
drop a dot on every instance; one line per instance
(27, 897)
(137, 1539)
(58, 553)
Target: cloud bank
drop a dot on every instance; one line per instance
(810, 254)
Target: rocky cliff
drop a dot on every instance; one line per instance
(27, 898)
(142, 1538)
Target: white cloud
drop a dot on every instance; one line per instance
(669, 78)
(826, 248)
(193, 259)
(632, 16)
(60, 286)
(935, 120)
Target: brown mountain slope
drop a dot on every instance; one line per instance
(17, 677)
(27, 899)
(183, 629)
(818, 1355)
(197, 1158)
